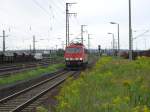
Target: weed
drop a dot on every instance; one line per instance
(111, 86)
(29, 74)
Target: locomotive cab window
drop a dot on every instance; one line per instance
(73, 50)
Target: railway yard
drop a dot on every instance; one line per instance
(27, 94)
(6, 70)
(45, 91)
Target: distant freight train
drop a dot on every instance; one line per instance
(14, 57)
(76, 55)
(135, 54)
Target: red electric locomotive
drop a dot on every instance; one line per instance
(76, 55)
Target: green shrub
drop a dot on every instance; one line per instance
(111, 86)
(41, 109)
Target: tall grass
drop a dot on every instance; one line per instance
(111, 86)
(29, 74)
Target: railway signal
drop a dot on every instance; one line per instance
(99, 50)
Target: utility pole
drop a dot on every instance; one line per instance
(33, 43)
(118, 36)
(30, 48)
(133, 38)
(113, 43)
(62, 45)
(118, 40)
(67, 22)
(89, 41)
(3, 41)
(82, 31)
(4, 37)
(130, 33)
(145, 43)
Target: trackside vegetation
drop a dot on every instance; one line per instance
(113, 85)
(29, 74)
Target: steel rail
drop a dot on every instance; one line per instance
(10, 103)
(4, 68)
(4, 72)
(29, 88)
(30, 101)
(25, 63)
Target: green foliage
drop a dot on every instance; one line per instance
(41, 109)
(113, 85)
(29, 74)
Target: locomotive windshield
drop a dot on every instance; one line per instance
(73, 50)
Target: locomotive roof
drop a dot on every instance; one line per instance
(76, 45)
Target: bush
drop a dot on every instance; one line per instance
(113, 85)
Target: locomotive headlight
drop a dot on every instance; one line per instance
(81, 59)
(67, 59)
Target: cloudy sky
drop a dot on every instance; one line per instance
(21, 19)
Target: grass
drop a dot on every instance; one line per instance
(29, 74)
(41, 109)
(113, 85)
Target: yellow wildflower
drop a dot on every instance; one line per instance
(144, 88)
(127, 99)
(117, 100)
(146, 109)
(127, 83)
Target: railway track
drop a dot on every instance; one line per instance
(25, 63)
(7, 70)
(25, 99)
(22, 64)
